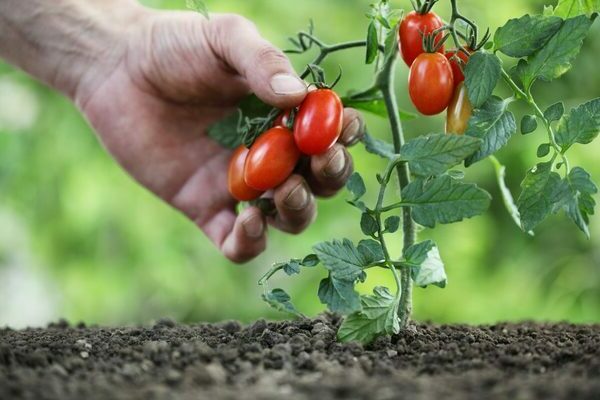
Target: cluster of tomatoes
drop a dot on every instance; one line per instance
(436, 78)
(273, 157)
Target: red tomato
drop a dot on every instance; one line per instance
(430, 83)
(456, 69)
(271, 160)
(459, 111)
(283, 119)
(235, 180)
(412, 28)
(318, 124)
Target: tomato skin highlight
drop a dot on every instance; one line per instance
(271, 160)
(430, 83)
(459, 111)
(283, 119)
(235, 178)
(318, 124)
(456, 69)
(410, 34)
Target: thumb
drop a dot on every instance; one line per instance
(266, 69)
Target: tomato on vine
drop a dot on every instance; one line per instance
(283, 119)
(457, 69)
(318, 124)
(235, 178)
(271, 159)
(430, 83)
(459, 111)
(412, 29)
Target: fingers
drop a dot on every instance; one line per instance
(330, 171)
(295, 203)
(353, 127)
(266, 69)
(248, 238)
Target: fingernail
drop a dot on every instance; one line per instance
(352, 132)
(254, 226)
(287, 84)
(336, 164)
(298, 198)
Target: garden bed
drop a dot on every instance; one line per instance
(300, 360)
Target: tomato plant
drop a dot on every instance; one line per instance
(235, 179)
(412, 28)
(271, 159)
(458, 60)
(430, 83)
(318, 124)
(283, 119)
(426, 168)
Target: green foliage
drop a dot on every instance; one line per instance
(581, 125)
(573, 8)
(524, 36)
(481, 76)
(528, 124)
(378, 147)
(581, 204)
(281, 301)
(554, 112)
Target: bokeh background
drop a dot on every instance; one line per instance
(79, 239)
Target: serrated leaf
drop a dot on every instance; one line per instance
(555, 112)
(435, 154)
(378, 147)
(582, 203)
(371, 251)
(543, 192)
(482, 73)
(368, 224)
(493, 124)
(281, 301)
(555, 58)
(372, 43)
(356, 186)
(581, 125)
(342, 259)
(339, 295)
(431, 270)
(572, 8)
(507, 197)
(379, 316)
(444, 200)
(392, 224)
(199, 6)
(528, 124)
(292, 267)
(524, 36)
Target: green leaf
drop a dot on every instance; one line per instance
(430, 270)
(444, 200)
(555, 58)
(342, 259)
(435, 154)
(378, 147)
(554, 112)
(311, 260)
(543, 150)
(225, 131)
(528, 124)
(524, 36)
(416, 254)
(199, 6)
(292, 267)
(582, 203)
(356, 186)
(368, 224)
(492, 123)
(372, 43)
(379, 316)
(339, 295)
(281, 301)
(572, 8)
(375, 106)
(507, 197)
(371, 251)
(392, 224)
(482, 73)
(581, 125)
(543, 192)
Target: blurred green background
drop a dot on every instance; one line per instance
(79, 239)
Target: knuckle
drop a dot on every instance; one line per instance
(270, 55)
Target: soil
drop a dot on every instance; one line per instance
(300, 360)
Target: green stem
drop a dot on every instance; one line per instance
(325, 50)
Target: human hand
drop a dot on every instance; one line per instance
(171, 76)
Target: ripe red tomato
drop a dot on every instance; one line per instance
(456, 69)
(318, 124)
(430, 83)
(283, 119)
(459, 111)
(235, 180)
(271, 160)
(411, 31)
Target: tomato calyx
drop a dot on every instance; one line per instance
(423, 7)
(432, 43)
(318, 75)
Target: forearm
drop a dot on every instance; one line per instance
(57, 41)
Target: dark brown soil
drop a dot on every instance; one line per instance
(300, 360)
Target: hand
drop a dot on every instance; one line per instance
(164, 82)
